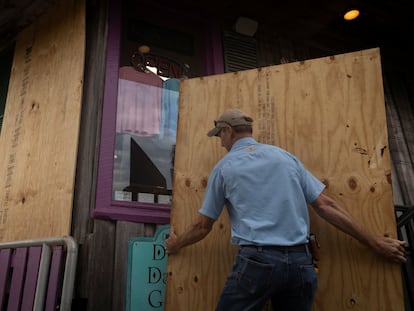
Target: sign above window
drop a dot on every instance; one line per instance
(164, 66)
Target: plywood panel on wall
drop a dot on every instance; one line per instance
(330, 112)
(39, 136)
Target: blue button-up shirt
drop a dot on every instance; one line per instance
(266, 190)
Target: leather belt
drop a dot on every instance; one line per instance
(285, 248)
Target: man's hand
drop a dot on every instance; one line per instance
(171, 245)
(195, 232)
(392, 249)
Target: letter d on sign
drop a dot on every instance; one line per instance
(154, 275)
(159, 252)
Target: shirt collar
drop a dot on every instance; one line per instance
(242, 143)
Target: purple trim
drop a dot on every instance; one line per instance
(106, 159)
(5, 263)
(214, 56)
(30, 283)
(19, 270)
(105, 207)
(55, 278)
(155, 214)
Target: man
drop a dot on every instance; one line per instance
(266, 191)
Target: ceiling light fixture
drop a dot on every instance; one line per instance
(351, 14)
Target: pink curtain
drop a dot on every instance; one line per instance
(139, 102)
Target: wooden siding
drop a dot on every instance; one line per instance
(400, 117)
(90, 126)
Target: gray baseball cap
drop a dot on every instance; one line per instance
(232, 117)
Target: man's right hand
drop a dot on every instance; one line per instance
(171, 245)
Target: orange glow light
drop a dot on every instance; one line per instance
(351, 14)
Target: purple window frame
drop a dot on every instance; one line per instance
(106, 207)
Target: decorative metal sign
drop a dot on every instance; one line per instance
(166, 66)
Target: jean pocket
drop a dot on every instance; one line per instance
(253, 276)
(309, 280)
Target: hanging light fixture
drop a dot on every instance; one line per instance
(351, 14)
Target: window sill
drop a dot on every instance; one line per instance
(130, 211)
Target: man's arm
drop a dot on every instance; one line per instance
(329, 210)
(198, 230)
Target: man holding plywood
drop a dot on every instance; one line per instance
(266, 191)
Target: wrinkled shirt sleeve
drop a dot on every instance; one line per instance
(312, 187)
(214, 199)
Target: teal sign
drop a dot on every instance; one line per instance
(147, 272)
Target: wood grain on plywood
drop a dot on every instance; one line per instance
(329, 112)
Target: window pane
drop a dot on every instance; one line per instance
(146, 122)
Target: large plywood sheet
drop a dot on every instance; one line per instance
(330, 112)
(39, 136)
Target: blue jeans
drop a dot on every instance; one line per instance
(287, 278)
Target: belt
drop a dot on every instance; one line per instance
(285, 248)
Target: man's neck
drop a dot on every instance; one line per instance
(238, 136)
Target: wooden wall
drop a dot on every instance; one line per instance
(330, 112)
(41, 125)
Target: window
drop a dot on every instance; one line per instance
(150, 50)
(146, 122)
